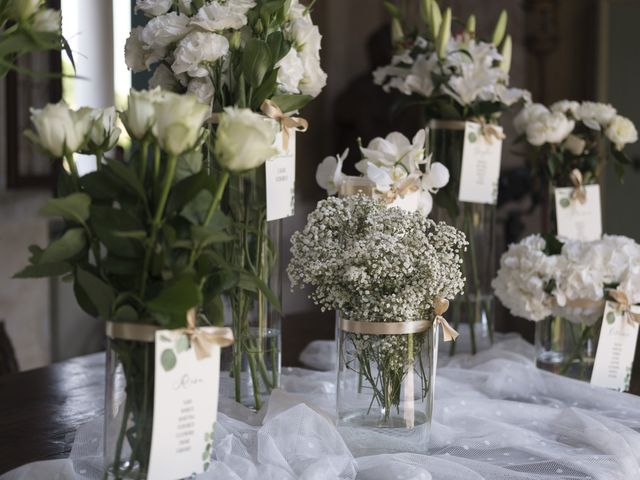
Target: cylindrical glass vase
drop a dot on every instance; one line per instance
(386, 388)
(472, 313)
(251, 368)
(567, 348)
(128, 409)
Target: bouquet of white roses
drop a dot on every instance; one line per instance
(568, 136)
(397, 169)
(455, 77)
(230, 52)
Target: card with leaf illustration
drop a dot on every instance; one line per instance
(577, 220)
(481, 158)
(185, 407)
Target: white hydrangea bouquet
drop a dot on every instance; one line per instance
(568, 136)
(394, 168)
(543, 279)
(263, 55)
(230, 52)
(388, 273)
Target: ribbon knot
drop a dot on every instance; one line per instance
(440, 306)
(202, 340)
(624, 306)
(489, 131)
(271, 110)
(579, 192)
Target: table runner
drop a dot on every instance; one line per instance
(496, 417)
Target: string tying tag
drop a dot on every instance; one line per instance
(579, 193)
(271, 110)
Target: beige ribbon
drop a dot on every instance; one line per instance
(403, 328)
(271, 110)
(201, 340)
(624, 306)
(489, 131)
(359, 185)
(579, 193)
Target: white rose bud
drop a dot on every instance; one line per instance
(47, 20)
(575, 145)
(196, 51)
(20, 10)
(153, 8)
(244, 139)
(104, 133)
(139, 117)
(60, 130)
(621, 131)
(178, 122)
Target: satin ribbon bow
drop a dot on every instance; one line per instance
(271, 110)
(440, 306)
(489, 131)
(579, 192)
(202, 340)
(624, 306)
(408, 186)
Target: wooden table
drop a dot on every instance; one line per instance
(41, 409)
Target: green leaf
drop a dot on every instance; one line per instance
(122, 266)
(182, 344)
(74, 207)
(291, 103)
(100, 186)
(99, 293)
(177, 298)
(189, 164)
(252, 283)
(204, 236)
(126, 175)
(44, 270)
(187, 189)
(553, 246)
(278, 45)
(69, 245)
(126, 314)
(168, 360)
(265, 90)
(256, 62)
(214, 311)
(108, 222)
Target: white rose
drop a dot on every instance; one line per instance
(140, 114)
(202, 88)
(549, 128)
(621, 131)
(306, 38)
(20, 10)
(137, 55)
(164, 78)
(595, 115)
(60, 130)
(329, 173)
(104, 133)
(290, 72)
(178, 122)
(164, 30)
(47, 20)
(566, 106)
(244, 139)
(217, 16)
(527, 115)
(153, 8)
(196, 51)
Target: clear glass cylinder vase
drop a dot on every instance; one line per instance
(472, 313)
(385, 390)
(128, 409)
(251, 368)
(567, 348)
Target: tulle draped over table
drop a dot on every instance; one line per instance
(496, 417)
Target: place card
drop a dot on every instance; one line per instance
(577, 220)
(616, 348)
(185, 407)
(480, 171)
(281, 180)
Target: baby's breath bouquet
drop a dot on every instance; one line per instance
(388, 273)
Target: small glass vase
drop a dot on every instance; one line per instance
(385, 390)
(128, 409)
(472, 314)
(567, 348)
(251, 368)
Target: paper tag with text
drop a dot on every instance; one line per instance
(480, 171)
(281, 180)
(616, 349)
(185, 407)
(576, 220)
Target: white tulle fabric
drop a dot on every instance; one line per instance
(496, 418)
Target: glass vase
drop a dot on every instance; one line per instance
(472, 313)
(251, 368)
(128, 409)
(567, 348)
(385, 390)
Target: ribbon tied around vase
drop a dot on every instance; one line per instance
(202, 339)
(440, 306)
(624, 306)
(489, 131)
(579, 192)
(287, 123)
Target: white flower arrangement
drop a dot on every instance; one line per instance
(454, 77)
(203, 46)
(395, 166)
(539, 278)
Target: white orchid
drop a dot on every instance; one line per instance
(329, 173)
